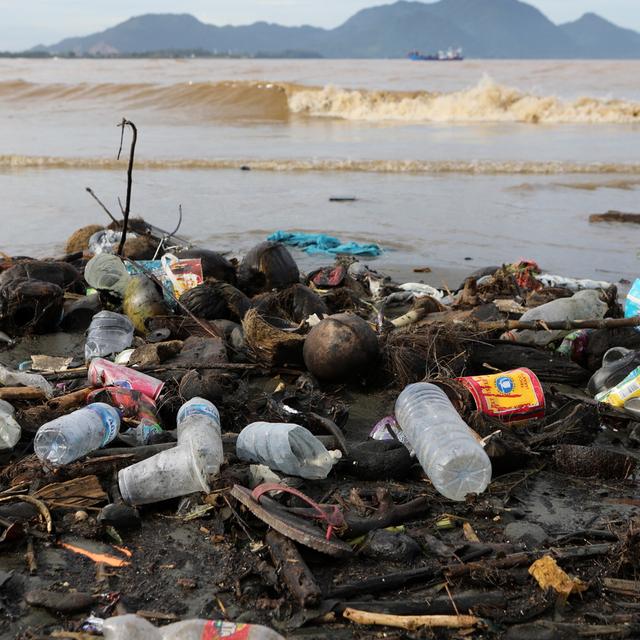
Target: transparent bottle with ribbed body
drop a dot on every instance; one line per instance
(285, 447)
(70, 437)
(445, 446)
(108, 333)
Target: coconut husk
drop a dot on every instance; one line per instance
(216, 301)
(588, 462)
(140, 248)
(61, 274)
(428, 351)
(295, 304)
(272, 344)
(267, 266)
(341, 346)
(79, 239)
(30, 306)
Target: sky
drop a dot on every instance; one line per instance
(25, 23)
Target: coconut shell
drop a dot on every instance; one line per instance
(267, 266)
(214, 265)
(79, 239)
(30, 306)
(61, 274)
(340, 347)
(216, 301)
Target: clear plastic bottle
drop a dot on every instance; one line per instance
(107, 272)
(199, 424)
(108, 333)
(10, 430)
(446, 447)
(72, 436)
(9, 378)
(284, 447)
(132, 627)
(583, 305)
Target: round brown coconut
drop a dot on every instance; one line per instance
(340, 347)
(79, 239)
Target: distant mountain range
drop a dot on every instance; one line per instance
(483, 28)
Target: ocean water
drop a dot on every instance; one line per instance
(454, 165)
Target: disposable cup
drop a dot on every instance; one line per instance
(168, 474)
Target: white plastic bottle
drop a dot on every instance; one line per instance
(10, 430)
(446, 447)
(284, 447)
(108, 333)
(583, 305)
(132, 627)
(72, 436)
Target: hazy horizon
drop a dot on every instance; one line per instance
(36, 22)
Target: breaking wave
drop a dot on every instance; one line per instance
(482, 167)
(487, 101)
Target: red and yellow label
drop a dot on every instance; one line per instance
(219, 629)
(511, 396)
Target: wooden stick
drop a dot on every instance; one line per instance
(127, 207)
(89, 190)
(21, 393)
(562, 325)
(70, 400)
(411, 623)
(293, 569)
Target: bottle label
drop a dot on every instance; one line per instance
(511, 396)
(108, 421)
(218, 629)
(625, 390)
(198, 409)
(149, 430)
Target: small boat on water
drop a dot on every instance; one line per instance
(450, 55)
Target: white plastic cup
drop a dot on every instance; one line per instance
(168, 474)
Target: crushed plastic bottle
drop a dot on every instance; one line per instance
(617, 364)
(131, 404)
(187, 468)
(583, 305)
(9, 378)
(284, 447)
(10, 430)
(106, 272)
(446, 447)
(108, 333)
(71, 437)
(132, 627)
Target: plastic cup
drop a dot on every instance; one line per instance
(168, 474)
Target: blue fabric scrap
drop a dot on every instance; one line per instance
(314, 243)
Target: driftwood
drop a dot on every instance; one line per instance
(21, 394)
(411, 623)
(442, 605)
(293, 569)
(561, 325)
(615, 216)
(502, 356)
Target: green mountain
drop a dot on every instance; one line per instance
(483, 28)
